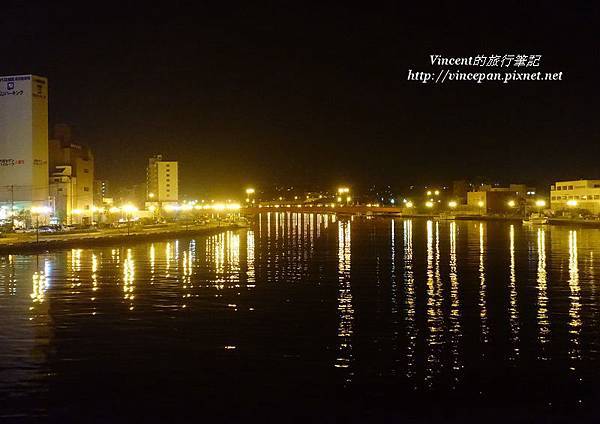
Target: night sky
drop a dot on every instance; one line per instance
(311, 95)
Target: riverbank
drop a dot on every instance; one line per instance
(28, 243)
(396, 212)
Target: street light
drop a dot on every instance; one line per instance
(540, 203)
(409, 204)
(128, 209)
(452, 204)
(429, 204)
(37, 211)
(511, 203)
(572, 203)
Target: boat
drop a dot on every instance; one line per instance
(445, 217)
(536, 218)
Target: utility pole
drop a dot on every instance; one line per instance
(12, 207)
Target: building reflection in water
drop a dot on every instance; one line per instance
(345, 307)
(513, 306)
(542, 289)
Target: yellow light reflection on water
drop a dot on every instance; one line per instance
(575, 322)
(345, 306)
(409, 288)
(482, 288)
(128, 279)
(513, 309)
(542, 288)
(455, 327)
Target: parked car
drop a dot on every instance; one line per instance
(49, 228)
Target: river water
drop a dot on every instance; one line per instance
(308, 317)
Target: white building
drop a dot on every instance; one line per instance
(162, 180)
(579, 194)
(24, 140)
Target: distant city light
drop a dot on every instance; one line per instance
(540, 203)
(511, 203)
(409, 204)
(452, 204)
(437, 192)
(429, 204)
(342, 190)
(571, 203)
(129, 208)
(41, 210)
(480, 204)
(249, 191)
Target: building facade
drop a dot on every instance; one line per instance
(577, 194)
(75, 163)
(24, 140)
(162, 180)
(493, 201)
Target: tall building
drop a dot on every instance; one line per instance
(162, 180)
(24, 140)
(71, 177)
(100, 191)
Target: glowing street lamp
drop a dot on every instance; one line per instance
(343, 190)
(452, 204)
(409, 204)
(572, 203)
(249, 191)
(151, 195)
(511, 203)
(429, 204)
(540, 203)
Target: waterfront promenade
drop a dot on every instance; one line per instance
(32, 242)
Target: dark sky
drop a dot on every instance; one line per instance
(304, 94)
